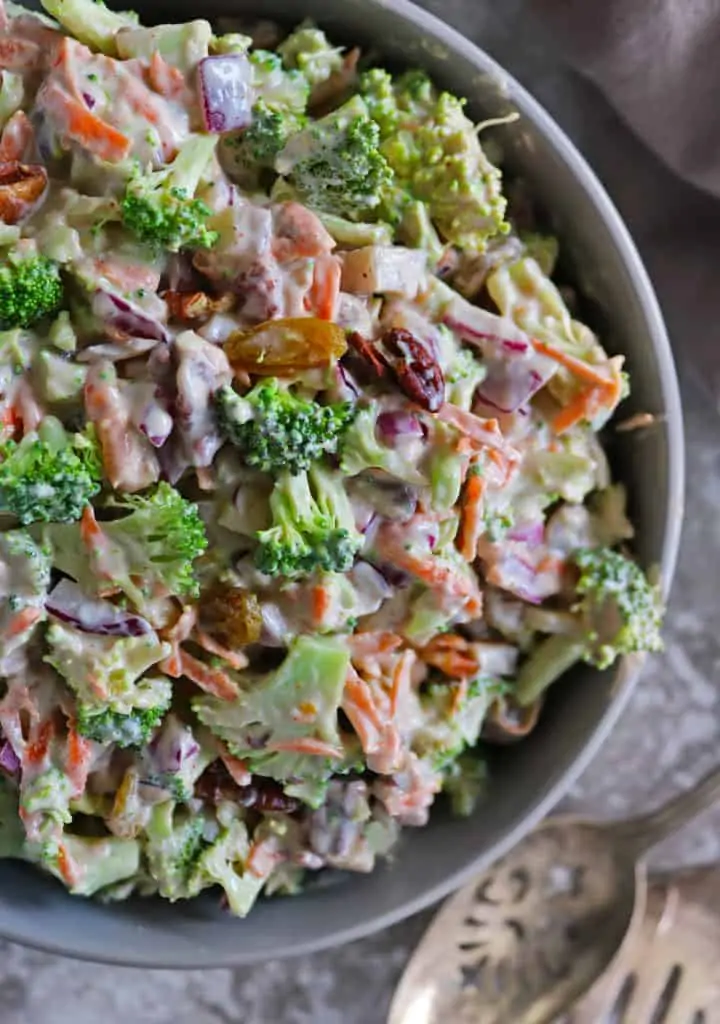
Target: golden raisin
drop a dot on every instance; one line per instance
(231, 614)
(279, 347)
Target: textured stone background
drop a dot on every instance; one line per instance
(672, 729)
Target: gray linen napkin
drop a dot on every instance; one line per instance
(658, 62)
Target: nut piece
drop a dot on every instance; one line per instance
(21, 187)
(416, 369)
(193, 306)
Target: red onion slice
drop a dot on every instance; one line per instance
(127, 317)
(225, 92)
(9, 761)
(68, 603)
(398, 425)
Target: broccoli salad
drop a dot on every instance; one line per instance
(303, 504)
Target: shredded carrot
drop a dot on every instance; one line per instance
(36, 750)
(164, 78)
(235, 659)
(373, 643)
(305, 745)
(401, 678)
(211, 680)
(459, 692)
(452, 654)
(82, 126)
(576, 366)
(471, 520)
(320, 601)
(325, 287)
(79, 756)
(67, 866)
(237, 769)
(90, 532)
(21, 622)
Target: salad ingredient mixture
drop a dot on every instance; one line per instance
(302, 498)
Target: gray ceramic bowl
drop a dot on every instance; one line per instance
(529, 779)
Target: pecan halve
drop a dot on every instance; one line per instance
(371, 356)
(21, 187)
(417, 370)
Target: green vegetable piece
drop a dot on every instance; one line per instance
(30, 289)
(313, 526)
(50, 476)
(58, 379)
(223, 864)
(12, 832)
(465, 782)
(12, 93)
(335, 164)
(102, 861)
(160, 538)
(361, 450)
(174, 843)
(104, 725)
(618, 612)
(276, 87)
(434, 151)
(182, 45)
(544, 249)
(295, 706)
(275, 430)
(308, 50)
(62, 333)
(111, 667)
(160, 207)
(91, 22)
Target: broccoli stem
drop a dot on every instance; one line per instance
(550, 659)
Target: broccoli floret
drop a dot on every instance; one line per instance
(308, 50)
(160, 207)
(335, 164)
(50, 476)
(276, 430)
(464, 783)
(91, 22)
(618, 612)
(622, 609)
(174, 844)
(105, 671)
(313, 526)
(30, 289)
(161, 537)
(278, 722)
(104, 725)
(276, 87)
(434, 152)
(103, 861)
(223, 863)
(361, 450)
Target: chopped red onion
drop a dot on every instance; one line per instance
(511, 381)
(9, 761)
(528, 533)
(226, 92)
(68, 603)
(392, 426)
(370, 581)
(127, 317)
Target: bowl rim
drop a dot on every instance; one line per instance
(81, 946)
